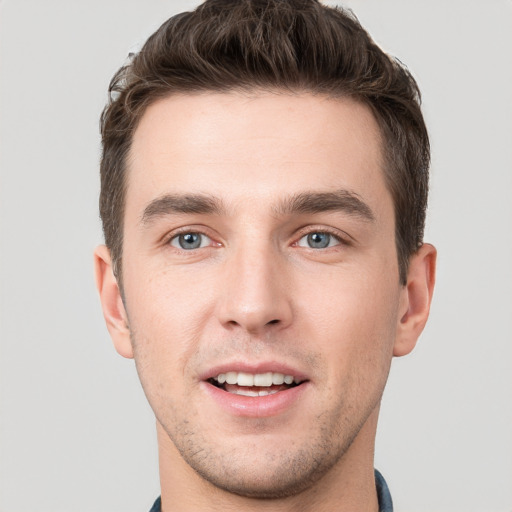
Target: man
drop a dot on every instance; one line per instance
(264, 185)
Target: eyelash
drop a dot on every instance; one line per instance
(344, 240)
(186, 231)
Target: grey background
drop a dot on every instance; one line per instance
(75, 431)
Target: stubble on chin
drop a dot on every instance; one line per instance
(252, 471)
(255, 464)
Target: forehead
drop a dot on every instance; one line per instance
(254, 147)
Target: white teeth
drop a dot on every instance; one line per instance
(269, 392)
(231, 377)
(277, 379)
(259, 379)
(246, 392)
(245, 379)
(263, 379)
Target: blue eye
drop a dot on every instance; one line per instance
(318, 240)
(190, 241)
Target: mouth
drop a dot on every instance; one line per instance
(254, 384)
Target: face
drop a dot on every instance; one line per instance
(261, 283)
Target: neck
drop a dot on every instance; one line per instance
(348, 486)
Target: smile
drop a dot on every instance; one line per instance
(254, 384)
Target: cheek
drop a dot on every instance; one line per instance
(165, 331)
(167, 315)
(168, 299)
(353, 321)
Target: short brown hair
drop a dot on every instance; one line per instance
(290, 45)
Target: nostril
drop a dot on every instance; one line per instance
(273, 322)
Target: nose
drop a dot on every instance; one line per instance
(255, 291)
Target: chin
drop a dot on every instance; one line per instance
(274, 472)
(251, 483)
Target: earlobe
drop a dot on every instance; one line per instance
(111, 302)
(416, 299)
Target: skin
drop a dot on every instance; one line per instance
(256, 292)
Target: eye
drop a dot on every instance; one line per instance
(190, 241)
(318, 240)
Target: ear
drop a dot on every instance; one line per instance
(112, 302)
(416, 298)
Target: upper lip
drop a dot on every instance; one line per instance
(254, 368)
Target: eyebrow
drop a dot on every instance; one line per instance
(169, 204)
(318, 202)
(301, 203)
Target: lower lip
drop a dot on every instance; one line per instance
(255, 406)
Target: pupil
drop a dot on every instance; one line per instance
(319, 240)
(190, 241)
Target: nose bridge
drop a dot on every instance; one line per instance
(253, 295)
